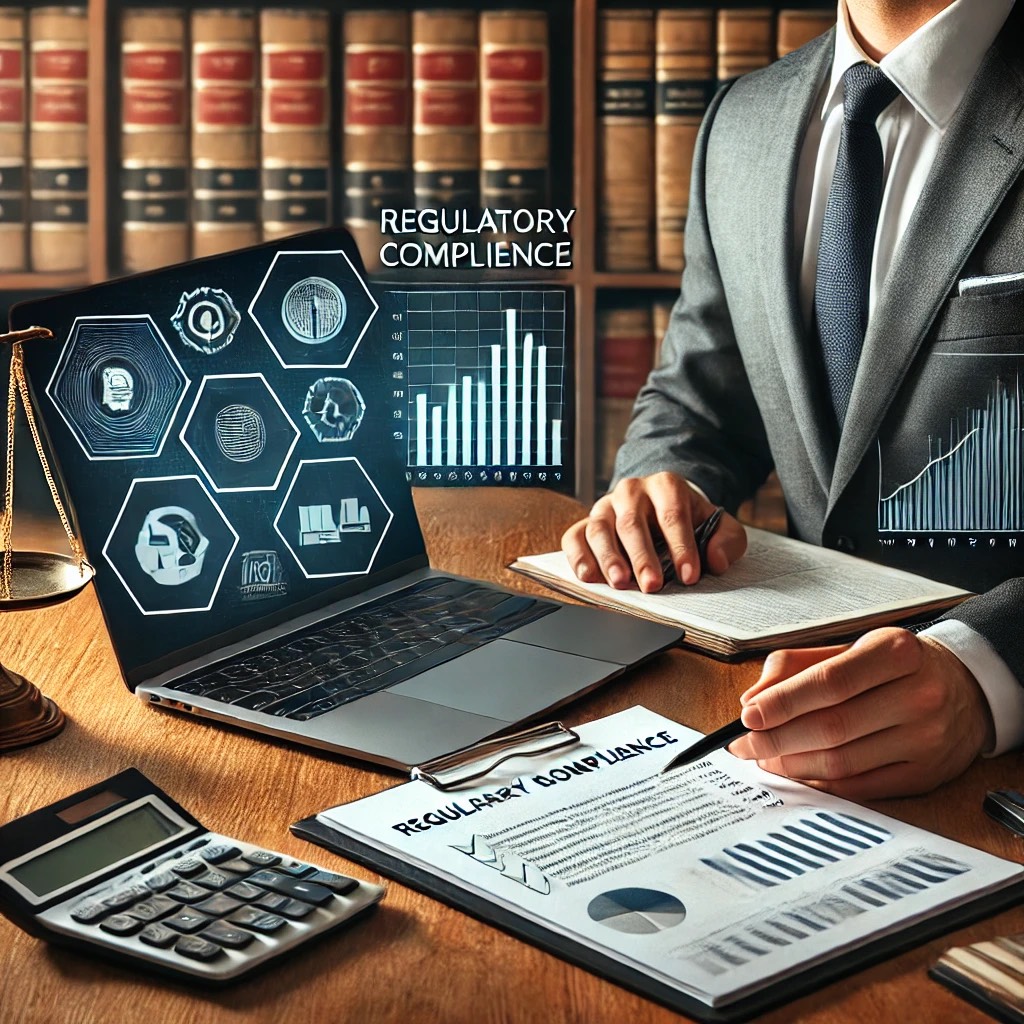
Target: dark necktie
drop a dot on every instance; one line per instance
(848, 231)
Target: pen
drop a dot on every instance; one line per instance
(702, 536)
(713, 741)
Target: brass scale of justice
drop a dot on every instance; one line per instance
(31, 577)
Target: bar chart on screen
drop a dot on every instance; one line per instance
(486, 386)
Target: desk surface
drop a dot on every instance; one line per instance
(414, 959)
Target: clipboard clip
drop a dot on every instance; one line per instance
(456, 769)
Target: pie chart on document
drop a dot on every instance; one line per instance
(636, 911)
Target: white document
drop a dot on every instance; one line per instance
(716, 879)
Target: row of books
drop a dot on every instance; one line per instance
(44, 105)
(629, 337)
(227, 121)
(441, 108)
(658, 71)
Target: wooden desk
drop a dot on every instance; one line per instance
(414, 960)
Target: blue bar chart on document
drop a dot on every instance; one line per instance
(482, 385)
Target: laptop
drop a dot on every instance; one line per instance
(231, 435)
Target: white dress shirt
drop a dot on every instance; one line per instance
(933, 68)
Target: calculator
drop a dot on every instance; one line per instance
(122, 871)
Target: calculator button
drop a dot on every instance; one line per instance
(339, 884)
(220, 852)
(225, 935)
(153, 908)
(244, 891)
(120, 924)
(238, 866)
(188, 866)
(257, 921)
(196, 948)
(186, 892)
(126, 897)
(213, 880)
(296, 869)
(261, 858)
(197, 844)
(187, 921)
(295, 909)
(271, 901)
(161, 881)
(158, 935)
(295, 887)
(218, 905)
(90, 911)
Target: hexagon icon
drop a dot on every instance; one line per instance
(333, 519)
(118, 386)
(239, 432)
(313, 308)
(170, 545)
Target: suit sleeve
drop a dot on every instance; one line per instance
(696, 415)
(996, 615)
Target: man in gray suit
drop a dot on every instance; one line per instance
(852, 313)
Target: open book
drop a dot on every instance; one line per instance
(717, 888)
(781, 593)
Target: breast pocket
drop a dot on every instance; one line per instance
(986, 321)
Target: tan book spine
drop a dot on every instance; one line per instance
(625, 171)
(154, 138)
(515, 109)
(225, 131)
(446, 109)
(13, 206)
(796, 28)
(296, 121)
(58, 139)
(746, 40)
(625, 344)
(378, 123)
(685, 69)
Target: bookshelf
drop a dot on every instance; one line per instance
(573, 138)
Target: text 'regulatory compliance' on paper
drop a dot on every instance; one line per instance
(716, 880)
(781, 590)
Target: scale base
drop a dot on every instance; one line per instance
(26, 716)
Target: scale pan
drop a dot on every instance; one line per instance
(38, 576)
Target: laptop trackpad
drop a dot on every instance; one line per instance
(507, 680)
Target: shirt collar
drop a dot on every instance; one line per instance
(932, 67)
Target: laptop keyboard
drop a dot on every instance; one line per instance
(366, 649)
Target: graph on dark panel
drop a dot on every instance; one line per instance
(486, 386)
(973, 476)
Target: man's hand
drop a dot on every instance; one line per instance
(890, 715)
(615, 542)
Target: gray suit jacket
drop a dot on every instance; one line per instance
(741, 385)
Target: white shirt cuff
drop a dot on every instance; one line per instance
(1005, 695)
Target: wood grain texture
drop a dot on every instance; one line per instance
(414, 960)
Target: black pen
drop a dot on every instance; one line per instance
(713, 741)
(702, 537)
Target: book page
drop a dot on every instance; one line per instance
(713, 878)
(779, 585)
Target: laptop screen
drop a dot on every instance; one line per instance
(230, 438)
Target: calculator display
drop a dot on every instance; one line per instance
(110, 842)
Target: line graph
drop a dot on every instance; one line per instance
(972, 479)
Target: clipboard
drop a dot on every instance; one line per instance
(473, 762)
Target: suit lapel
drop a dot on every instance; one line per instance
(784, 122)
(978, 160)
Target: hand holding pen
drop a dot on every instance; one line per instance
(617, 541)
